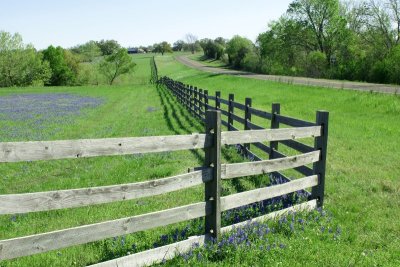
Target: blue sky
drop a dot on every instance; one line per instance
(133, 23)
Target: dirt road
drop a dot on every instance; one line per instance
(381, 88)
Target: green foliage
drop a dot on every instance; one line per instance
(212, 49)
(64, 67)
(116, 64)
(20, 65)
(108, 47)
(88, 51)
(237, 49)
(178, 45)
(316, 64)
(162, 48)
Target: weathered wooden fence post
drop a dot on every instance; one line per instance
(217, 100)
(319, 167)
(247, 118)
(276, 109)
(205, 100)
(230, 111)
(213, 159)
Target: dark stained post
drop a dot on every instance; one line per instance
(276, 109)
(196, 103)
(217, 100)
(247, 118)
(190, 98)
(201, 110)
(319, 167)
(230, 111)
(205, 100)
(213, 187)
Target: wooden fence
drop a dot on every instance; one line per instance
(198, 102)
(154, 71)
(211, 175)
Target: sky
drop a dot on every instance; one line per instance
(133, 23)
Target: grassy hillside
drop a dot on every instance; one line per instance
(363, 172)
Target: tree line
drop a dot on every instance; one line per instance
(355, 40)
(90, 63)
(348, 40)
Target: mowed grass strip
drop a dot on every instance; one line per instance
(363, 169)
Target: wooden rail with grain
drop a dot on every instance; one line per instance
(212, 174)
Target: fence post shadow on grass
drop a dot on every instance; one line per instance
(171, 115)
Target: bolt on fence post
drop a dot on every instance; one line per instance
(276, 109)
(319, 167)
(205, 100)
(247, 118)
(217, 100)
(213, 187)
(230, 111)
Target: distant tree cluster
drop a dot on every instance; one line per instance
(21, 65)
(352, 40)
(89, 63)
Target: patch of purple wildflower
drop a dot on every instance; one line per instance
(30, 116)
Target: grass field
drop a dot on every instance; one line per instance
(363, 171)
(362, 184)
(121, 111)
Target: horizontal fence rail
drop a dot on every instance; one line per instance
(168, 252)
(230, 171)
(29, 245)
(61, 199)
(46, 150)
(252, 196)
(253, 136)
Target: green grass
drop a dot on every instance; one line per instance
(208, 62)
(128, 110)
(362, 183)
(363, 169)
(137, 109)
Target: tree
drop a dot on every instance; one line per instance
(237, 49)
(191, 40)
(322, 19)
(162, 48)
(21, 65)
(117, 64)
(62, 73)
(88, 51)
(108, 47)
(178, 45)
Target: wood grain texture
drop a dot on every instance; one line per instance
(306, 206)
(255, 136)
(230, 171)
(52, 200)
(252, 196)
(29, 245)
(46, 150)
(157, 255)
